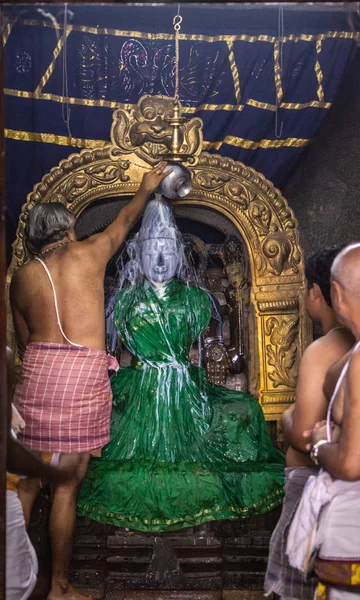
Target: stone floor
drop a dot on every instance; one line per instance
(98, 594)
(177, 595)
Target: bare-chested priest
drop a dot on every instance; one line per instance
(310, 406)
(326, 524)
(64, 394)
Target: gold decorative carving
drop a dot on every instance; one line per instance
(281, 352)
(270, 222)
(145, 130)
(277, 249)
(265, 222)
(273, 399)
(91, 177)
(279, 306)
(235, 267)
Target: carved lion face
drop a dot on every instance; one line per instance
(151, 125)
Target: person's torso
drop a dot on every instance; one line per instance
(336, 343)
(80, 297)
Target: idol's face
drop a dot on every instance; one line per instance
(159, 258)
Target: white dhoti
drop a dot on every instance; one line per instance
(334, 594)
(21, 561)
(330, 593)
(325, 536)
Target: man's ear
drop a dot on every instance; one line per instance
(336, 294)
(316, 291)
(71, 235)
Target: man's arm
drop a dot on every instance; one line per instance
(21, 461)
(342, 459)
(9, 383)
(21, 328)
(310, 404)
(105, 244)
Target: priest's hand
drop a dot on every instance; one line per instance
(153, 178)
(102, 246)
(319, 433)
(17, 422)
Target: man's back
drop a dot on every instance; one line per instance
(78, 281)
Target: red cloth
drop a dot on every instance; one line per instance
(64, 397)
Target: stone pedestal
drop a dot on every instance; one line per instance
(210, 558)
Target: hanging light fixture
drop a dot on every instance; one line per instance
(177, 120)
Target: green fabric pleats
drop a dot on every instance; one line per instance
(182, 451)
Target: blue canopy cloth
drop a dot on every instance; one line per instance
(260, 89)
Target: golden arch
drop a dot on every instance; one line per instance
(263, 219)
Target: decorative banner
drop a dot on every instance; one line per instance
(261, 96)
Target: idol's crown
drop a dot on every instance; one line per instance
(165, 233)
(158, 222)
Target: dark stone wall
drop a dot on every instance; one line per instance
(324, 191)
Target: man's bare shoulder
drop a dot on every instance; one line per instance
(314, 351)
(84, 250)
(92, 256)
(22, 273)
(340, 335)
(330, 346)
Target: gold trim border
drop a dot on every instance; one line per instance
(7, 31)
(231, 140)
(318, 72)
(186, 109)
(234, 72)
(277, 73)
(49, 71)
(238, 142)
(209, 513)
(199, 37)
(52, 138)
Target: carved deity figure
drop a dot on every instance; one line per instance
(183, 451)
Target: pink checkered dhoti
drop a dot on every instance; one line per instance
(64, 397)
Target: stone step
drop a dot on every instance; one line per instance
(171, 595)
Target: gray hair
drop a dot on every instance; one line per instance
(48, 223)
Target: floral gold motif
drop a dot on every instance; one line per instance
(282, 351)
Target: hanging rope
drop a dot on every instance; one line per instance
(278, 133)
(177, 20)
(65, 86)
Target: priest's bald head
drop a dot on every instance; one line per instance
(345, 287)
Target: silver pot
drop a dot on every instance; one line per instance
(177, 184)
